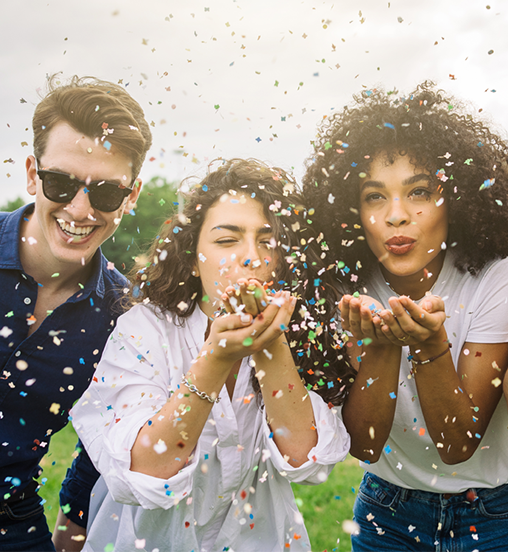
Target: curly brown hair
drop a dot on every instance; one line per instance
(167, 282)
(439, 135)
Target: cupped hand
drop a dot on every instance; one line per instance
(360, 317)
(409, 323)
(235, 336)
(249, 296)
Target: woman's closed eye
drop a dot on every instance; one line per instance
(226, 241)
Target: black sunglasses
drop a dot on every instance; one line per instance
(62, 188)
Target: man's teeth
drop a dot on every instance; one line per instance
(73, 230)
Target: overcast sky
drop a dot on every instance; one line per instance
(239, 78)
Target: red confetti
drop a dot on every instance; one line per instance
(187, 524)
(243, 495)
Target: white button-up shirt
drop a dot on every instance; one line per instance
(234, 492)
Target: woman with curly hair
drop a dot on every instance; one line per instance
(413, 195)
(201, 412)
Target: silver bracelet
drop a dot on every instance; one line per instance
(201, 394)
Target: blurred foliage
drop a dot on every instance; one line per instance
(156, 204)
(12, 205)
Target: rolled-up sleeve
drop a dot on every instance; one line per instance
(134, 379)
(332, 446)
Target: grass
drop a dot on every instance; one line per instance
(324, 507)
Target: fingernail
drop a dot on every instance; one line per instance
(245, 318)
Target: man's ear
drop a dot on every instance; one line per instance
(31, 175)
(133, 197)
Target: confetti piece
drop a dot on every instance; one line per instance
(54, 408)
(22, 365)
(160, 447)
(351, 527)
(496, 382)
(247, 342)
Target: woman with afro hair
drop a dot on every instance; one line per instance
(412, 195)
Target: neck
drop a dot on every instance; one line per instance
(418, 284)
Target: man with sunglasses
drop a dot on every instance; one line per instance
(58, 290)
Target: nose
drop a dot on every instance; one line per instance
(396, 214)
(79, 206)
(251, 255)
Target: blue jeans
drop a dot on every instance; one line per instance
(23, 526)
(393, 518)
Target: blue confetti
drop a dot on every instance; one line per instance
(393, 395)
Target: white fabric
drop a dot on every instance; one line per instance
(477, 312)
(235, 492)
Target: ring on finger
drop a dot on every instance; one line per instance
(405, 338)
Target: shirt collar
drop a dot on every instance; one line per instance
(9, 251)
(9, 238)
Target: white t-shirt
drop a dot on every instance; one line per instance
(477, 312)
(235, 492)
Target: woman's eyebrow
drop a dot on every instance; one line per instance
(234, 228)
(407, 182)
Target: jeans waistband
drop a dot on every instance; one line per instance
(28, 491)
(469, 495)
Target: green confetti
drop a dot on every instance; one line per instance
(55, 275)
(66, 508)
(110, 547)
(247, 342)
(216, 106)
(9, 314)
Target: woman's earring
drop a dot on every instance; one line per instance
(195, 273)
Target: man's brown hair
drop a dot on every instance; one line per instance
(98, 109)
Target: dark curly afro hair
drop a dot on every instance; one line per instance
(437, 134)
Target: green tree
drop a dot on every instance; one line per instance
(156, 204)
(12, 205)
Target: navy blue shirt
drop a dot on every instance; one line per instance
(43, 374)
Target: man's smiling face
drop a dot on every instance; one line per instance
(72, 232)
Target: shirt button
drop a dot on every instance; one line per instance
(27, 300)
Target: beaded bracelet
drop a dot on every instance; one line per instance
(431, 359)
(201, 394)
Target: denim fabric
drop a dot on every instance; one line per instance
(77, 486)
(23, 527)
(393, 518)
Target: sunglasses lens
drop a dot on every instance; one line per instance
(107, 197)
(59, 188)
